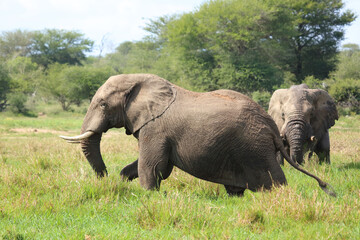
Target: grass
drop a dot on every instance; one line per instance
(49, 191)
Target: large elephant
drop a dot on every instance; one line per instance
(303, 117)
(220, 136)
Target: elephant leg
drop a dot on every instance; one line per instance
(151, 177)
(234, 191)
(310, 155)
(280, 158)
(153, 166)
(130, 172)
(322, 149)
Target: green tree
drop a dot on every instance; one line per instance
(15, 43)
(134, 57)
(4, 87)
(252, 45)
(319, 26)
(25, 75)
(226, 44)
(71, 84)
(349, 63)
(59, 46)
(345, 81)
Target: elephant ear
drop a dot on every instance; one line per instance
(276, 105)
(147, 100)
(325, 112)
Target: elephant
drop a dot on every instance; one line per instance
(304, 117)
(220, 136)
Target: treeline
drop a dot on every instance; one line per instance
(251, 46)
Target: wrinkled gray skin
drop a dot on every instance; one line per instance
(221, 136)
(303, 117)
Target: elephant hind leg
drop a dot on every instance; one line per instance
(280, 158)
(234, 191)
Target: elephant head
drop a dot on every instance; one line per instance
(122, 101)
(303, 117)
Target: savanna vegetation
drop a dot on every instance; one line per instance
(47, 78)
(49, 191)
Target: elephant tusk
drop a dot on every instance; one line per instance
(313, 138)
(74, 142)
(77, 139)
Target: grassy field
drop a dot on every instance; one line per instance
(49, 191)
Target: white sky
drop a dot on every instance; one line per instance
(116, 20)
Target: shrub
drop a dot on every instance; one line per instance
(17, 104)
(262, 98)
(347, 94)
(313, 82)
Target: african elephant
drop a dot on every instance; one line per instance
(303, 117)
(220, 136)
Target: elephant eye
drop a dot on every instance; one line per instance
(103, 105)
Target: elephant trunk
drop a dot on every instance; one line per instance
(296, 135)
(91, 150)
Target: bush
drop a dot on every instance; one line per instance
(347, 94)
(313, 82)
(17, 104)
(262, 98)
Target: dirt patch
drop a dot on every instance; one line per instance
(36, 130)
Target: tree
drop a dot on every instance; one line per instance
(16, 43)
(345, 81)
(59, 46)
(25, 75)
(252, 45)
(71, 84)
(348, 63)
(134, 57)
(319, 26)
(4, 87)
(222, 45)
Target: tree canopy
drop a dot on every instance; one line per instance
(59, 46)
(245, 45)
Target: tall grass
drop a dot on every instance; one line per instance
(49, 191)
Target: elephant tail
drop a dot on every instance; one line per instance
(327, 188)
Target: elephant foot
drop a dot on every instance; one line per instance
(130, 172)
(323, 157)
(234, 191)
(128, 178)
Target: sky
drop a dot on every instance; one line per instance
(114, 21)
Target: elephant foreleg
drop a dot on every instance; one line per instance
(154, 166)
(130, 172)
(151, 177)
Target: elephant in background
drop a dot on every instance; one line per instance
(220, 136)
(303, 117)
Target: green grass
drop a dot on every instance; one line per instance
(49, 191)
